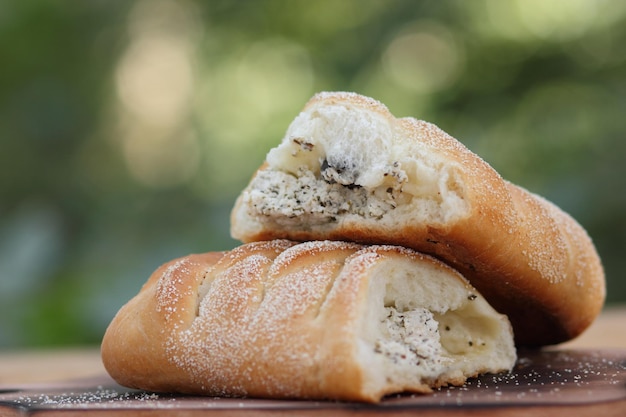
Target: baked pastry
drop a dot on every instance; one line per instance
(317, 320)
(347, 169)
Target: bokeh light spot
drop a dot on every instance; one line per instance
(425, 59)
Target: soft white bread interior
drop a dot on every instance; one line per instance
(317, 320)
(347, 169)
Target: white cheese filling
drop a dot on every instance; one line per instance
(411, 338)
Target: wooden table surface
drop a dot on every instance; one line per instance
(608, 331)
(46, 369)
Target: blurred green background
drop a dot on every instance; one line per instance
(127, 128)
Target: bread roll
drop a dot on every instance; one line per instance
(347, 169)
(317, 320)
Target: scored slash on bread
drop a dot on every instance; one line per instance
(316, 320)
(347, 169)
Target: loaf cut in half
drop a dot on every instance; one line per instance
(348, 170)
(316, 320)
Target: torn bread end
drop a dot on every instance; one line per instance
(335, 163)
(424, 328)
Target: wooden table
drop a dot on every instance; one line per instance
(64, 381)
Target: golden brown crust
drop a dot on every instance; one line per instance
(127, 348)
(269, 319)
(532, 261)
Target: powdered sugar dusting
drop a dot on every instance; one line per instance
(548, 253)
(573, 239)
(174, 291)
(314, 247)
(166, 293)
(334, 97)
(250, 311)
